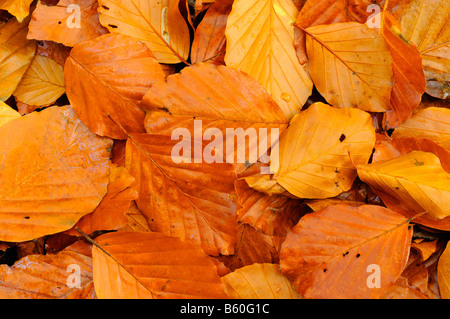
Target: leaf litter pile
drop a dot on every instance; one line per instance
(116, 175)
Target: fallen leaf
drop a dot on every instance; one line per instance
(135, 220)
(209, 40)
(409, 81)
(128, 265)
(15, 56)
(62, 176)
(158, 24)
(425, 248)
(417, 180)
(432, 123)
(42, 84)
(18, 8)
(7, 114)
(319, 149)
(252, 246)
(273, 215)
(362, 237)
(204, 96)
(402, 290)
(48, 277)
(91, 78)
(70, 22)
(426, 24)
(110, 213)
(353, 71)
(187, 200)
(259, 281)
(323, 12)
(260, 42)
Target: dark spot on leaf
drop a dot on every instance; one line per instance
(342, 138)
(165, 109)
(417, 163)
(40, 43)
(27, 217)
(325, 270)
(59, 22)
(112, 26)
(357, 255)
(105, 7)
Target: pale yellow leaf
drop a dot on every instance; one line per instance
(7, 114)
(350, 65)
(42, 84)
(416, 179)
(260, 42)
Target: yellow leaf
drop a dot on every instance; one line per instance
(259, 281)
(260, 42)
(15, 56)
(159, 24)
(350, 65)
(432, 123)
(318, 151)
(18, 8)
(416, 179)
(42, 84)
(426, 24)
(7, 114)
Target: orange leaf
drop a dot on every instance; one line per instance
(253, 246)
(209, 39)
(220, 99)
(100, 96)
(432, 123)
(332, 253)
(273, 215)
(48, 277)
(59, 23)
(151, 265)
(110, 213)
(188, 200)
(53, 171)
(409, 80)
